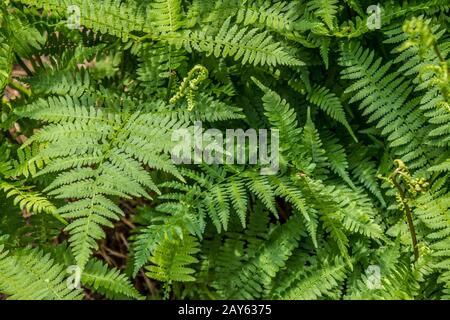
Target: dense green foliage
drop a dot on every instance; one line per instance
(87, 180)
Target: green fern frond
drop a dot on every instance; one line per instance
(382, 97)
(26, 165)
(29, 274)
(111, 16)
(312, 145)
(165, 16)
(281, 116)
(337, 158)
(256, 276)
(170, 261)
(149, 238)
(261, 187)
(239, 199)
(364, 169)
(26, 199)
(331, 105)
(6, 59)
(248, 46)
(61, 83)
(157, 65)
(326, 10)
(315, 283)
(106, 160)
(90, 111)
(280, 16)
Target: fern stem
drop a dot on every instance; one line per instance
(409, 218)
(443, 63)
(20, 88)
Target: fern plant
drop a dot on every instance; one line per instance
(93, 204)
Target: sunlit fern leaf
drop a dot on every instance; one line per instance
(171, 261)
(268, 259)
(364, 169)
(313, 146)
(207, 108)
(165, 15)
(262, 188)
(26, 198)
(111, 16)
(97, 157)
(383, 98)
(238, 198)
(28, 274)
(279, 16)
(60, 82)
(433, 210)
(6, 59)
(337, 158)
(442, 167)
(23, 37)
(282, 117)
(149, 238)
(157, 65)
(26, 165)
